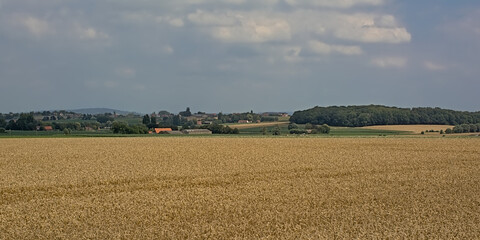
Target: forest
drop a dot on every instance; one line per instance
(369, 115)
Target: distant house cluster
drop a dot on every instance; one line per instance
(203, 118)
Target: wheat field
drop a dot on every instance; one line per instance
(410, 128)
(239, 188)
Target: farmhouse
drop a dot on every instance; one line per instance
(243, 121)
(162, 130)
(48, 128)
(196, 131)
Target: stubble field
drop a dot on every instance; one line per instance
(243, 188)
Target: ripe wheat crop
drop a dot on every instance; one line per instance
(242, 188)
(411, 128)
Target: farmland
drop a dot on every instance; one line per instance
(249, 188)
(410, 128)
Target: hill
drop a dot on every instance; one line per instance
(370, 115)
(94, 111)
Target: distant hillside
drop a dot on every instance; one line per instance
(370, 115)
(94, 111)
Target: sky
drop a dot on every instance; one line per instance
(238, 55)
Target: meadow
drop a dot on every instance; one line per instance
(241, 188)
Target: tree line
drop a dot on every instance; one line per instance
(369, 115)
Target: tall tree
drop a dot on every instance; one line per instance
(146, 119)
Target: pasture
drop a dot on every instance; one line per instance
(242, 188)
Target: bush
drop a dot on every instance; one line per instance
(124, 128)
(449, 131)
(323, 129)
(298, 131)
(66, 131)
(2, 130)
(292, 126)
(276, 130)
(220, 129)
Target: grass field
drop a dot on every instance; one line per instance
(335, 131)
(243, 188)
(257, 125)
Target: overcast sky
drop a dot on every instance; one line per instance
(238, 55)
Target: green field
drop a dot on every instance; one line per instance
(254, 131)
(335, 131)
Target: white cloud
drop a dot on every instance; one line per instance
(247, 27)
(375, 35)
(434, 66)
(89, 33)
(176, 22)
(203, 18)
(36, 27)
(360, 27)
(369, 28)
(334, 3)
(389, 62)
(323, 48)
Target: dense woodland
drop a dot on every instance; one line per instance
(359, 116)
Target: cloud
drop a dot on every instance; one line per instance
(243, 27)
(89, 33)
(389, 62)
(292, 54)
(323, 48)
(176, 22)
(263, 26)
(433, 66)
(369, 28)
(334, 3)
(203, 18)
(35, 26)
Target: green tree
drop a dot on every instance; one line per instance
(186, 113)
(66, 131)
(276, 130)
(153, 119)
(12, 125)
(292, 126)
(264, 131)
(146, 119)
(3, 123)
(448, 131)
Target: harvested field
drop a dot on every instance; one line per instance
(247, 188)
(410, 128)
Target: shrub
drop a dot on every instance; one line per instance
(292, 126)
(298, 131)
